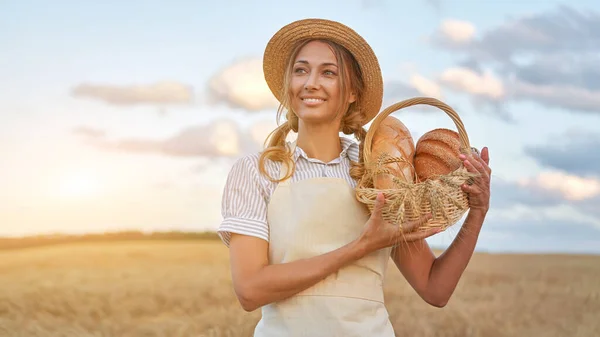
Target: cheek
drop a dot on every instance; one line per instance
(332, 88)
(296, 84)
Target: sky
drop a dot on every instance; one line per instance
(120, 115)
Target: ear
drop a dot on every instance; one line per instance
(351, 98)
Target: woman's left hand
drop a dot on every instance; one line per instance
(479, 190)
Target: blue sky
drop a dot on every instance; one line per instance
(128, 114)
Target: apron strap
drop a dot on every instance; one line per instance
(284, 169)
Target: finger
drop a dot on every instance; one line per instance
(469, 165)
(469, 159)
(471, 189)
(421, 234)
(477, 163)
(412, 225)
(484, 163)
(485, 173)
(482, 174)
(485, 155)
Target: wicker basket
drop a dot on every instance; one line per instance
(442, 195)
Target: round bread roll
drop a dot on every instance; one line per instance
(393, 139)
(437, 153)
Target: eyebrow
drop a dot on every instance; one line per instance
(324, 64)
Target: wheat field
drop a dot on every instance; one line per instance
(178, 289)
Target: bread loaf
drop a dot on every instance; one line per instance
(437, 153)
(393, 139)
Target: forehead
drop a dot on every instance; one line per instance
(316, 52)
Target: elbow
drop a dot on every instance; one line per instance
(438, 303)
(246, 299)
(437, 300)
(247, 305)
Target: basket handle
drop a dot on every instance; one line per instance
(462, 133)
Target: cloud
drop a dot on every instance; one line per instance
(554, 209)
(538, 211)
(220, 138)
(550, 207)
(590, 206)
(539, 235)
(567, 187)
(454, 34)
(563, 30)
(469, 81)
(241, 85)
(548, 189)
(571, 187)
(505, 194)
(575, 152)
(164, 185)
(571, 166)
(458, 31)
(158, 93)
(89, 132)
(558, 95)
(368, 4)
(396, 91)
(565, 212)
(487, 91)
(259, 131)
(564, 68)
(559, 79)
(531, 217)
(425, 86)
(550, 58)
(418, 86)
(436, 4)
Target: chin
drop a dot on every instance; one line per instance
(314, 117)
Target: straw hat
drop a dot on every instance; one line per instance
(280, 47)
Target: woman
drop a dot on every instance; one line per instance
(303, 249)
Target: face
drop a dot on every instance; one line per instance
(315, 85)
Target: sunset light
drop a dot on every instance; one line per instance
(78, 185)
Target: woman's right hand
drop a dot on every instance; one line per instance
(379, 233)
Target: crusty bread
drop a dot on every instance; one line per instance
(437, 153)
(394, 139)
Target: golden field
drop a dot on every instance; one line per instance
(175, 288)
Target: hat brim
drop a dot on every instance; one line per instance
(279, 49)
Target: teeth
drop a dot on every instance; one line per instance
(313, 100)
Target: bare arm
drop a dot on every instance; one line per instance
(435, 279)
(256, 282)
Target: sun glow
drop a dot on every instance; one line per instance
(78, 185)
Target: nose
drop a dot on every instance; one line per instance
(312, 81)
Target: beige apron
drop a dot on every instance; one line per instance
(309, 218)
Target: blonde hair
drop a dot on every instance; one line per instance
(352, 123)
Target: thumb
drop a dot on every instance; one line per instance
(485, 155)
(378, 207)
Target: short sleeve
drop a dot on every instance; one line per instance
(244, 202)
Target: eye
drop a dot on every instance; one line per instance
(329, 73)
(299, 70)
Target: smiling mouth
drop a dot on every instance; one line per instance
(311, 101)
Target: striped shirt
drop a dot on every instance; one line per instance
(247, 192)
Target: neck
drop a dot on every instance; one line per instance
(319, 142)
